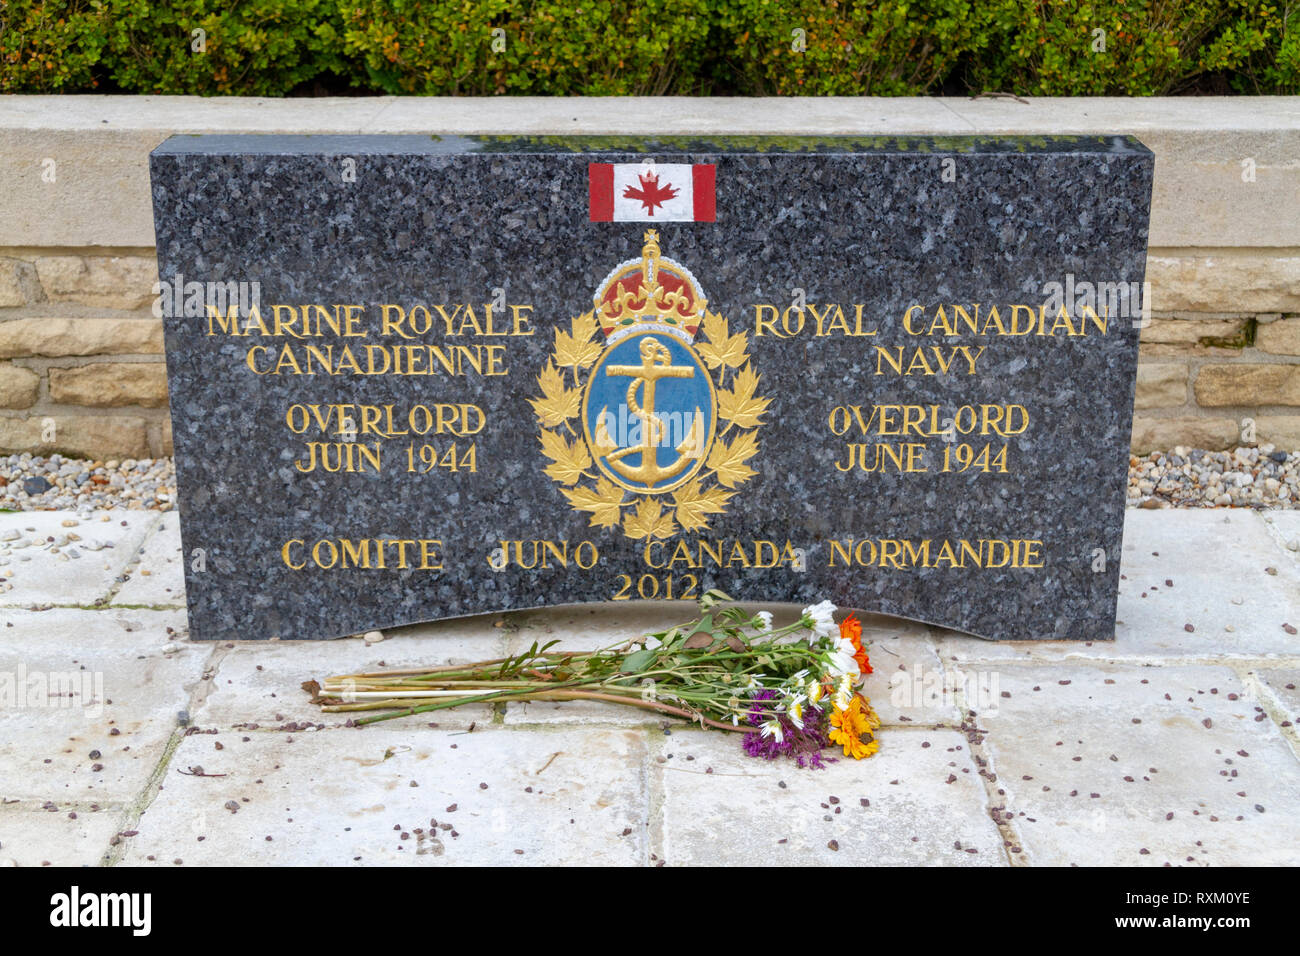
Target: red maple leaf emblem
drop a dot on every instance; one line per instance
(651, 193)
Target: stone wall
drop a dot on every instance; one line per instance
(81, 363)
(81, 355)
(1217, 381)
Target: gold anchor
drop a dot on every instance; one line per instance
(656, 363)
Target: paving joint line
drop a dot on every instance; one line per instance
(1274, 707)
(130, 819)
(985, 768)
(1279, 538)
(132, 562)
(137, 808)
(646, 790)
(656, 799)
(95, 607)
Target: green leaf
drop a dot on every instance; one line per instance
(636, 662)
(711, 597)
(668, 638)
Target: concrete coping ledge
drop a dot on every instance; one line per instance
(1227, 175)
(656, 115)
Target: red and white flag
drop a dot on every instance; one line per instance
(652, 192)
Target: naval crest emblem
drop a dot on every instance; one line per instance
(644, 427)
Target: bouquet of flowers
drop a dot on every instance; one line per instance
(792, 691)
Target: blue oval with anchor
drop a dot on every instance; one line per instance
(649, 412)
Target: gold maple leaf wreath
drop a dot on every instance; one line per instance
(647, 517)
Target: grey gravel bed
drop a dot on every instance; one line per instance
(1262, 477)
(37, 483)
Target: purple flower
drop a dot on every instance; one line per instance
(803, 744)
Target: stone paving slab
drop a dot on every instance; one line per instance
(158, 579)
(1283, 682)
(33, 836)
(345, 797)
(80, 572)
(527, 713)
(608, 777)
(1219, 563)
(1100, 763)
(75, 677)
(927, 806)
(1285, 526)
(259, 682)
(905, 683)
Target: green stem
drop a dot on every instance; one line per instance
(558, 695)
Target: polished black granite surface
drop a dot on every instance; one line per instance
(810, 349)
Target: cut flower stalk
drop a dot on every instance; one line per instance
(792, 691)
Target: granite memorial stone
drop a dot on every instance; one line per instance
(421, 377)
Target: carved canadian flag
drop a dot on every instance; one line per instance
(652, 192)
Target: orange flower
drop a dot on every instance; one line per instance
(853, 726)
(851, 630)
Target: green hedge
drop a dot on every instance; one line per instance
(813, 47)
(601, 47)
(1121, 47)
(50, 47)
(470, 48)
(262, 48)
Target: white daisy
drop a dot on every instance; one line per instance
(821, 619)
(840, 660)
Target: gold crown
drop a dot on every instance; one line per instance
(651, 290)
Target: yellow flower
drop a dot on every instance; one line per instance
(794, 710)
(814, 689)
(853, 726)
(873, 720)
(844, 692)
